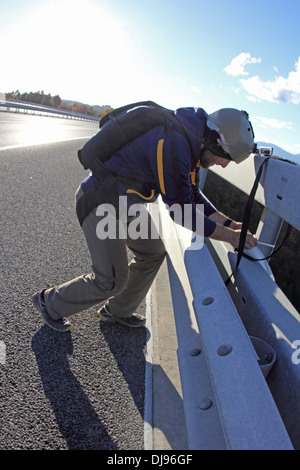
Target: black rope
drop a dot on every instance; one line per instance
(246, 219)
(287, 234)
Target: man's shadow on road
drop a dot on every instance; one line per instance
(128, 346)
(78, 421)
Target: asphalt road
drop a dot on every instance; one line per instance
(84, 389)
(19, 129)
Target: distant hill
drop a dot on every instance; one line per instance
(97, 109)
(279, 152)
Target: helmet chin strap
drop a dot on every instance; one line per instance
(209, 141)
(202, 152)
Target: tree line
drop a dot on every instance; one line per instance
(37, 97)
(46, 99)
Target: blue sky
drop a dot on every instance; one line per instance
(202, 53)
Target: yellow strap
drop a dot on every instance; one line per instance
(160, 168)
(193, 173)
(131, 191)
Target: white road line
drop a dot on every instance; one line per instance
(18, 146)
(2, 352)
(148, 411)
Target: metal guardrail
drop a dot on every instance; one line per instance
(229, 403)
(7, 105)
(264, 309)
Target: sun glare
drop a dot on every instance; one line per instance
(70, 47)
(37, 130)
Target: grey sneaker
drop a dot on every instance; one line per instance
(59, 325)
(135, 320)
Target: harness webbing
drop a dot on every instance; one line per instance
(247, 212)
(246, 219)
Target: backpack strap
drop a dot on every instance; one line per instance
(117, 111)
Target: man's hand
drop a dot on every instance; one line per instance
(236, 225)
(250, 241)
(228, 234)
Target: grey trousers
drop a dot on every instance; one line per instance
(112, 278)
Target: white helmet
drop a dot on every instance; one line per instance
(229, 134)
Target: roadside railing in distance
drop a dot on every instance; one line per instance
(11, 106)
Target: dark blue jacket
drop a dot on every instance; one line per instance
(149, 160)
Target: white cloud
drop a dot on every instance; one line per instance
(252, 99)
(272, 122)
(279, 90)
(237, 65)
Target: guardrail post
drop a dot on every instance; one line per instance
(268, 230)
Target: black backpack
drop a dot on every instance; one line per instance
(120, 127)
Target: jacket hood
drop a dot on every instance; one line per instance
(193, 120)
